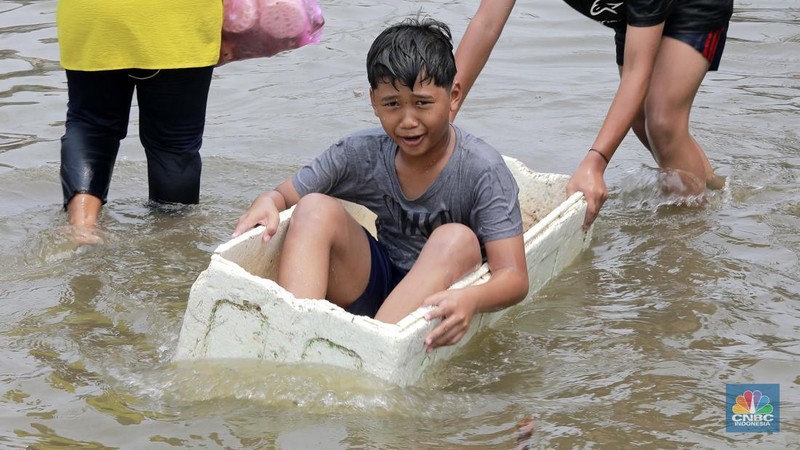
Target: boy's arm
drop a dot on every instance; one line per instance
(265, 210)
(507, 286)
(477, 43)
(641, 46)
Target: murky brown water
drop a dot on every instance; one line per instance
(631, 347)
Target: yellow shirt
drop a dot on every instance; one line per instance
(144, 34)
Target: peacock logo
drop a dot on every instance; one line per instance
(752, 402)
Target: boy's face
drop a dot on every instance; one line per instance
(417, 120)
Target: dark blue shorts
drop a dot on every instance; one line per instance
(383, 277)
(709, 44)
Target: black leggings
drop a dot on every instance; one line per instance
(172, 114)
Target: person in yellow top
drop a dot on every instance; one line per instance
(163, 50)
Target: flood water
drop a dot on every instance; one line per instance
(631, 347)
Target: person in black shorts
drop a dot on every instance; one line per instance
(664, 49)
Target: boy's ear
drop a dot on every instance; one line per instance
(372, 101)
(455, 95)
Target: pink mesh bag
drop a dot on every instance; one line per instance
(259, 28)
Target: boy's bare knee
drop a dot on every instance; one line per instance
(315, 209)
(664, 123)
(317, 216)
(455, 240)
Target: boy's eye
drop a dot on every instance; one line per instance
(391, 104)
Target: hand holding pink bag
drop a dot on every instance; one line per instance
(259, 28)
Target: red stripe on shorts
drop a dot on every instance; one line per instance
(711, 44)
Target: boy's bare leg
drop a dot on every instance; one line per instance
(82, 213)
(640, 131)
(679, 70)
(326, 253)
(451, 252)
(712, 182)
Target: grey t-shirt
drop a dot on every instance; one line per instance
(475, 188)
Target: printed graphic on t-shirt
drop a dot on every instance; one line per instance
(600, 7)
(416, 223)
(607, 12)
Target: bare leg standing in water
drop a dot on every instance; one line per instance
(663, 124)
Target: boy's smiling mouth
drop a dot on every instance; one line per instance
(412, 140)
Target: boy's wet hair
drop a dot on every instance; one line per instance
(410, 49)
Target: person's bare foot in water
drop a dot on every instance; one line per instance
(84, 236)
(82, 211)
(680, 184)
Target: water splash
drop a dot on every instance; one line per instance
(651, 188)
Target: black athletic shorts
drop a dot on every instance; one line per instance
(710, 44)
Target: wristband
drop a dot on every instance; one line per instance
(605, 158)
